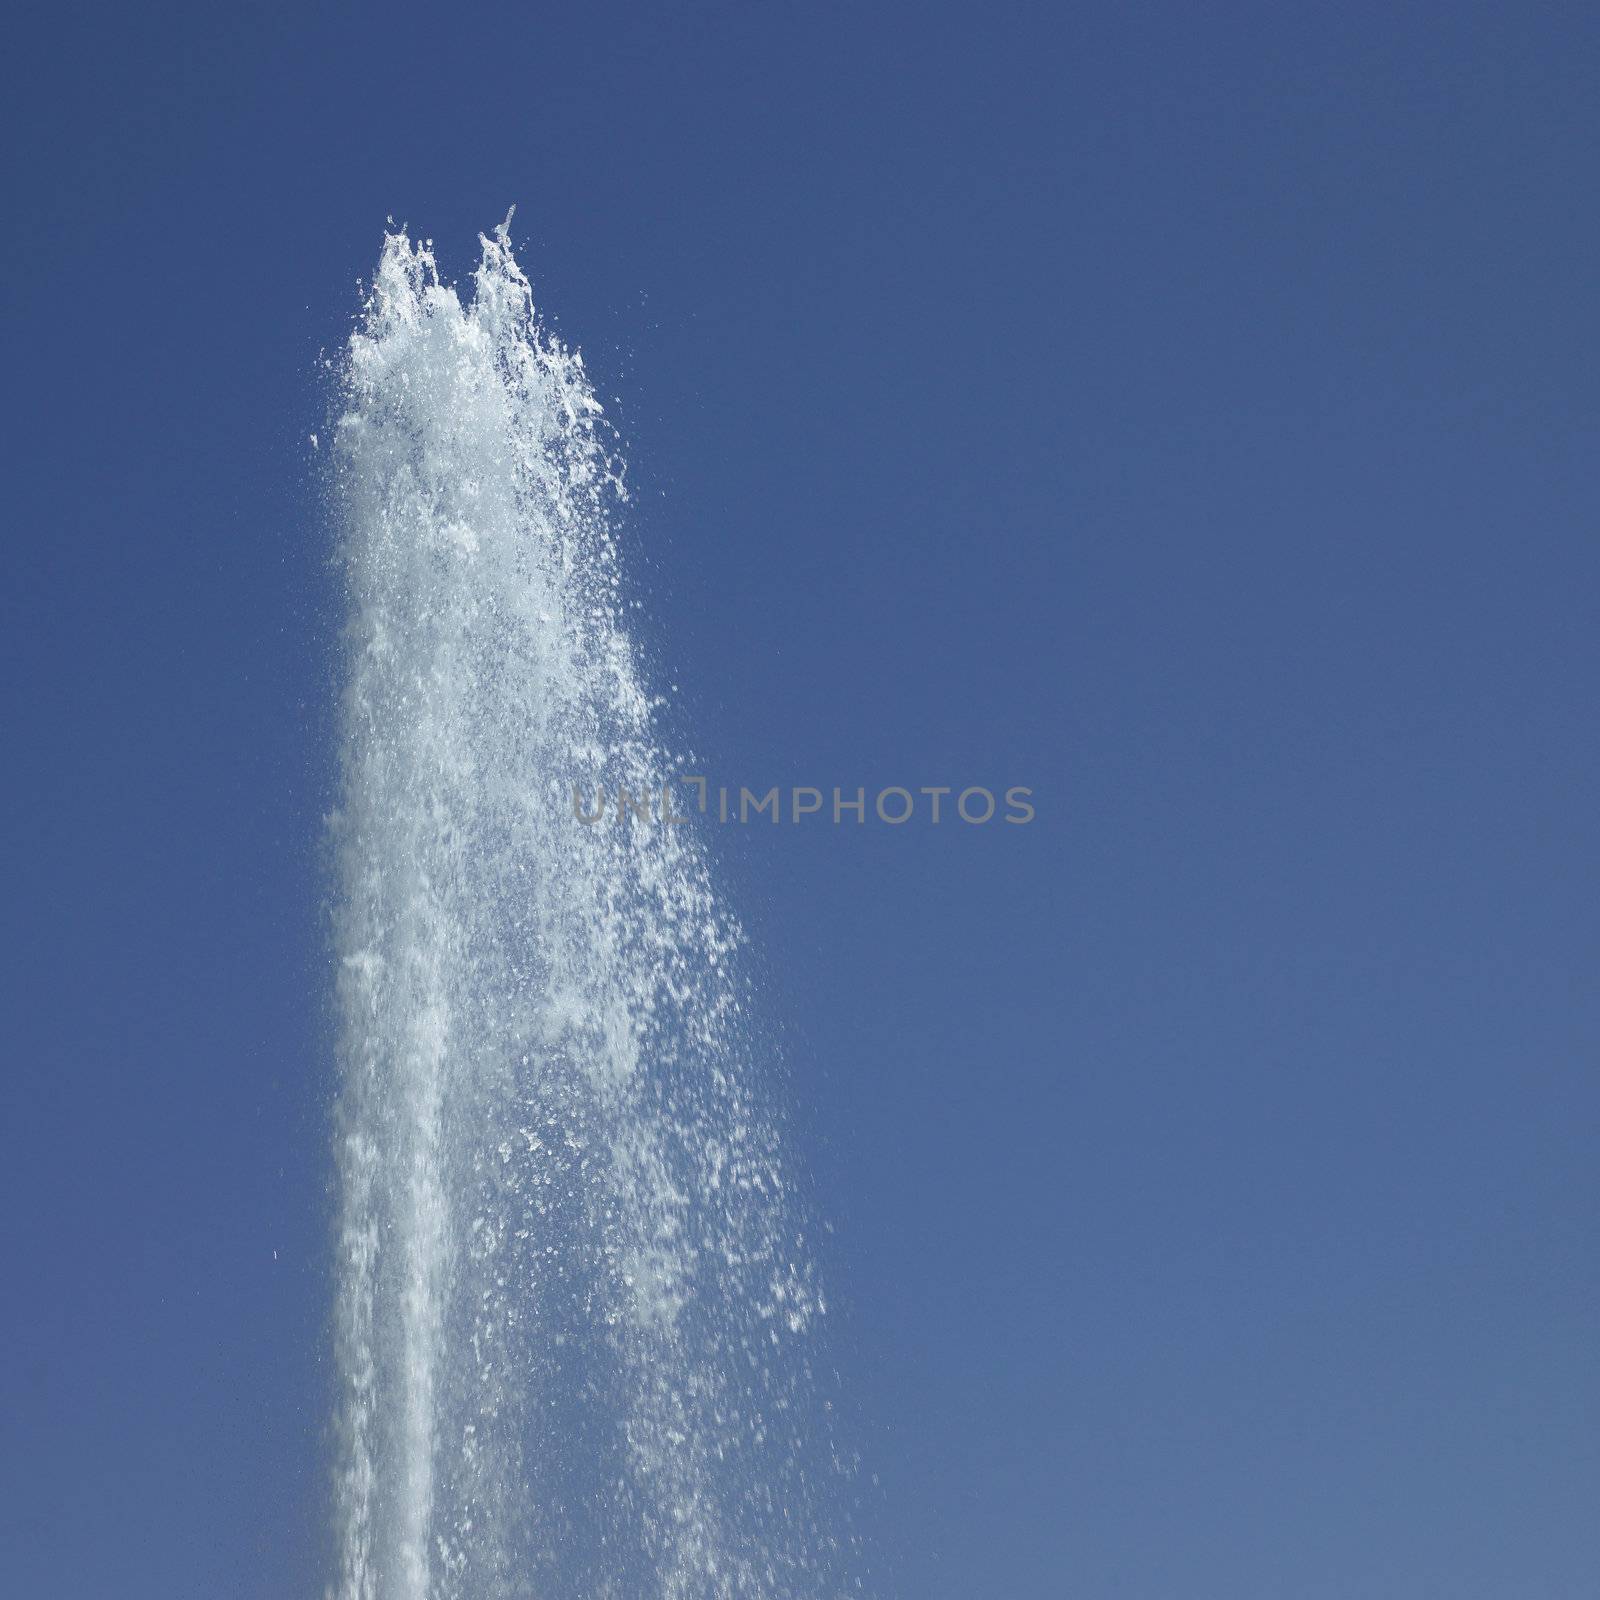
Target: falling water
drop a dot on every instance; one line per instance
(573, 1303)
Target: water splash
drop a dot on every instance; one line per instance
(573, 1296)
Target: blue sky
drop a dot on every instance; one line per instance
(1187, 412)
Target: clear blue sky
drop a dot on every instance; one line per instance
(1188, 411)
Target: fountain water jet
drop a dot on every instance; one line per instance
(573, 1295)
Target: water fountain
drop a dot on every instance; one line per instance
(573, 1295)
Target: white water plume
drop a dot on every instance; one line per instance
(573, 1299)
